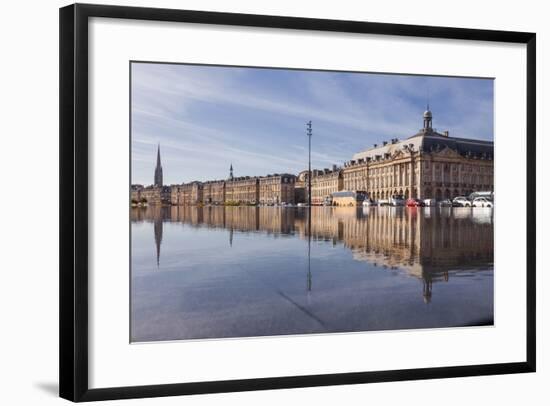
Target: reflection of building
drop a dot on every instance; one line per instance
(324, 183)
(275, 189)
(156, 214)
(428, 244)
(157, 226)
(427, 165)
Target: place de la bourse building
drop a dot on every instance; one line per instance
(425, 165)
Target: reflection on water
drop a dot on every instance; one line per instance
(217, 272)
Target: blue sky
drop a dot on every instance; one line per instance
(207, 117)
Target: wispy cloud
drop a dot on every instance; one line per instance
(208, 117)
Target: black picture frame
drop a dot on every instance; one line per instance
(73, 254)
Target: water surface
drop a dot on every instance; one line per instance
(218, 272)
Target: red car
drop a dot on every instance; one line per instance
(412, 202)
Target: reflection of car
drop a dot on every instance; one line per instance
(397, 200)
(412, 202)
(429, 202)
(301, 205)
(461, 201)
(445, 203)
(368, 202)
(482, 216)
(383, 202)
(482, 202)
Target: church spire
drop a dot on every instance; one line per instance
(158, 169)
(158, 155)
(231, 171)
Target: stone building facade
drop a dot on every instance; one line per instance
(300, 187)
(428, 164)
(277, 188)
(135, 193)
(187, 194)
(243, 190)
(324, 183)
(213, 192)
(153, 195)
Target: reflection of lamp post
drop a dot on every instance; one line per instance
(309, 256)
(309, 134)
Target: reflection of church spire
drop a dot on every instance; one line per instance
(231, 237)
(158, 236)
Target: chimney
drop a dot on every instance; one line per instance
(446, 133)
(385, 143)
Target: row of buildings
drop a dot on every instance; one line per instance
(270, 189)
(428, 164)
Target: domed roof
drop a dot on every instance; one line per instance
(427, 114)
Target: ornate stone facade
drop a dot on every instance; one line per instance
(427, 165)
(214, 192)
(187, 194)
(324, 183)
(242, 190)
(152, 195)
(276, 189)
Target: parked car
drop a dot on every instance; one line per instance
(412, 202)
(444, 203)
(461, 201)
(397, 200)
(383, 202)
(482, 202)
(487, 194)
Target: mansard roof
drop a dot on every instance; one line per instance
(431, 141)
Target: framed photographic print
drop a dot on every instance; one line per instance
(256, 202)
